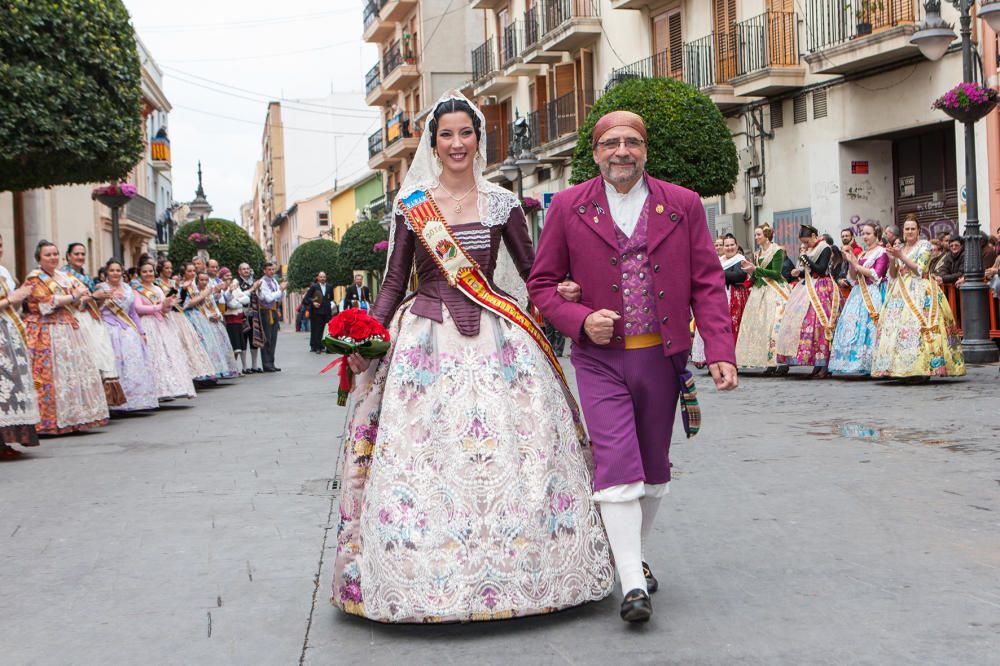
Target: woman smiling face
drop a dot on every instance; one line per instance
(730, 248)
(455, 142)
(146, 274)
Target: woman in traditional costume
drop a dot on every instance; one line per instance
(737, 291)
(765, 305)
(198, 301)
(857, 327)
(170, 367)
(200, 364)
(70, 390)
(465, 487)
(18, 401)
(135, 370)
(917, 336)
(810, 317)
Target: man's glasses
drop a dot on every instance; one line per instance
(612, 144)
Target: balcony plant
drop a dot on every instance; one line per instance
(114, 195)
(967, 102)
(203, 240)
(531, 205)
(863, 11)
(408, 56)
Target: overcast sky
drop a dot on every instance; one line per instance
(298, 49)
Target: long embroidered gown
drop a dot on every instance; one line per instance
(917, 332)
(88, 316)
(18, 400)
(804, 336)
(762, 314)
(213, 337)
(69, 386)
(857, 328)
(465, 490)
(135, 370)
(171, 375)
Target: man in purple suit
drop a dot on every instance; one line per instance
(642, 253)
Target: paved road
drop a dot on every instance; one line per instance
(810, 523)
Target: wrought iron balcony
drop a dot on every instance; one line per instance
(665, 64)
(142, 211)
(483, 60)
(767, 40)
(392, 59)
(844, 36)
(375, 144)
(372, 80)
(563, 117)
(511, 44)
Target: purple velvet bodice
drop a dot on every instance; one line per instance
(637, 279)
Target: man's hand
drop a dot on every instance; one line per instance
(283, 285)
(358, 363)
(570, 291)
(600, 325)
(724, 375)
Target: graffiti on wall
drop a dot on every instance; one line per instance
(860, 192)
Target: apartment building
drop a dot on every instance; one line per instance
(828, 102)
(423, 47)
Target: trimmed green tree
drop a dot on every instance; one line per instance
(70, 111)
(689, 143)
(309, 259)
(357, 248)
(234, 247)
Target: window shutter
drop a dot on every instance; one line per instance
(777, 114)
(799, 109)
(676, 41)
(819, 103)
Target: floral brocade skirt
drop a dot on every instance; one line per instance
(854, 341)
(465, 488)
(802, 339)
(761, 318)
(200, 366)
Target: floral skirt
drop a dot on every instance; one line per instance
(170, 373)
(801, 336)
(200, 366)
(216, 343)
(854, 341)
(761, 318)
(18, 401)
(465, 487)
(903, 349)
(135, 371)
(738, 295)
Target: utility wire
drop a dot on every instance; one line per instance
(239, 25)
(266, 55)
(260, 123)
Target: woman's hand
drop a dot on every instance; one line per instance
(796, 272)
(570, 291)
(358, 363)
(19, 294)
(747, 267)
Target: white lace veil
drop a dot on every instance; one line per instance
(495, 203)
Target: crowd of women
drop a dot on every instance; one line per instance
(895, 322)
(73, 350)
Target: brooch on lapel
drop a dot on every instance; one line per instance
(659, 209)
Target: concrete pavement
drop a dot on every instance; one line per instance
(810, 523)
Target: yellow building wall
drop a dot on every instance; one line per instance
(342, 213)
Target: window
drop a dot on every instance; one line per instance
(799, 109)
(777, 115)
(323, 218)
(819, 103)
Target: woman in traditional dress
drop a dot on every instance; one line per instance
(917, 336)
(18, 401)
(200, 364)
(135, 370)
(810, 317)
(466, 493)
(70, 390)
(88, 315)
(198, 300)
(737, 292)
(857, 327)
(765, 305)
(165, 275)
(170, 368)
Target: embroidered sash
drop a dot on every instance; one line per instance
(763, 259)
(120, 314)
(148, 293)
(10, 314)
(828, 321)
(91, 306)
(462, 271)
(927, 328)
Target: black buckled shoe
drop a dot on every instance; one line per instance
(652, 585)
(637, 607)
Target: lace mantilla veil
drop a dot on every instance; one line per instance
(495, 203)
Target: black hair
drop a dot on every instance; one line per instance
(876, 229)
(111, 261)
(43, 244)
(161, 264)
(269, 263)
(69, 248)
(454, 106)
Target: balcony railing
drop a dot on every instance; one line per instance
(535, 131)
(371, 11)
(511, 43)
(375, 144)
(141, 210)
(392, 59)
(767, 40)
(699, 62)
(563, 115)
(396, 128)
(559, 11)
(483, 61)
(532, 27)
(495, 153)
(372, 79)
(665, 64)
(832, 22)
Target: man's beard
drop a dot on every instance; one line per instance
(620, 177)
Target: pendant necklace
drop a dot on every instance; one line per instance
(458, 200)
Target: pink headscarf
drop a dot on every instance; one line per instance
(618, 119)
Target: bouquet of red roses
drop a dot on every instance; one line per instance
(353, 331)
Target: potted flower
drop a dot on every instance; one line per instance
(114, 195)
(408, 56)
(863, 10)
(203, 241)
(967, 102)
(531, 205)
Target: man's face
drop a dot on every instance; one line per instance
(245, 271)
(621, 164)
(357, 280)
(955, 246)
(199, 265)
(321, 278)
(269, 271)
(213, 267)
(77, 257)
(846, 237)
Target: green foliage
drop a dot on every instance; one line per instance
(309, 259)
(688, 144)
(70, 110)
(356, 248)
(234, 248)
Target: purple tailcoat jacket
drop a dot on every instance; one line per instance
(579, 242)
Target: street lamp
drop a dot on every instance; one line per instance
(933, 37)
(526, 162)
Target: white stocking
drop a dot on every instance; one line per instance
(623, 523)
(650, 505)
(242, 358)
(253, 356)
